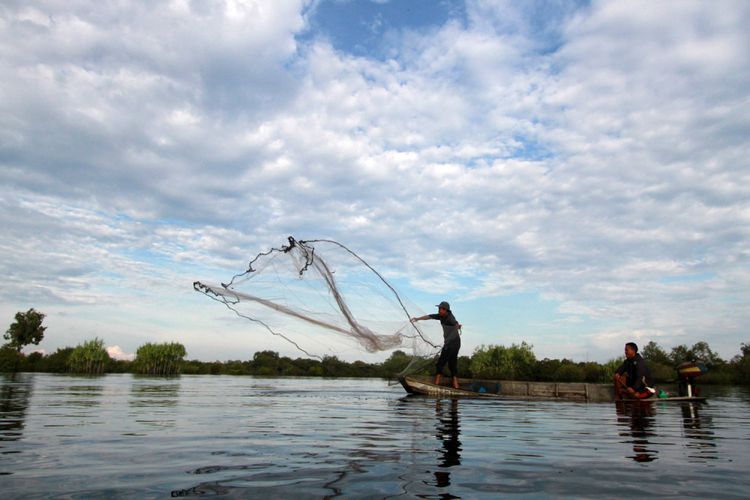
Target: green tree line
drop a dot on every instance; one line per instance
(516, 362)
(91, 358)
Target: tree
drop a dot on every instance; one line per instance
(653, 353)
(27, 329)
(464, 367)
(741, 364)
(499, 362)
(10, 360)
(593, 372)
(57, 362)
(266, 363)
(659, 362)
(699, 352)
(680, 354)
(702, 352)
(33, 361)
(332, 366)
(308, 367)
(396, 363)
(546, 370)
(569, 372)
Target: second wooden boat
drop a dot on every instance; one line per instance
(506, 389)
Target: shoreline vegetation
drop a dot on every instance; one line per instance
(516, 362)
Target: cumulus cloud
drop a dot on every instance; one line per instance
(593, 154)
(116, 352)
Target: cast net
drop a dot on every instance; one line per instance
(325, 300)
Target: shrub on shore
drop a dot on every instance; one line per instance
(89, 358)
(516, 362)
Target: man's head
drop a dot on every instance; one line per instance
(631, 349)
(443, 308)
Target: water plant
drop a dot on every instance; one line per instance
(89, 358)
(159, 359)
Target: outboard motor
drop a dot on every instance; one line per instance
(687, 372)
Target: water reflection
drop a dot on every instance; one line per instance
(155, 394)
(15, 392)
(698, 429)
(153, 402)
(448, 431)
(696, 432)
(639, 418)
(81, 395)
(354, 439)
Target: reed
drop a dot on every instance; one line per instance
(89, 358)
(159, 359)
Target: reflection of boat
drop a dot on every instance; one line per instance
(475, 388)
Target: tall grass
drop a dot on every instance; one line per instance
(89, 358)
(159, 359)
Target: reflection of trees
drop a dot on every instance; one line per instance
(153, 403)
(448, 430)
(158, 395)
(83, 395)
(15, 392)
(638, 417)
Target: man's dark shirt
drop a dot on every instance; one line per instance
(450, 326)
(635, 370)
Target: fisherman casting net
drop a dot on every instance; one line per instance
(325, 300)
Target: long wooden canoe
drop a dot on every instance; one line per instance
(507, 389)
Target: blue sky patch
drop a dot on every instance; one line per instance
(360, 27)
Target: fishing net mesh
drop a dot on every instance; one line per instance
(324, 299)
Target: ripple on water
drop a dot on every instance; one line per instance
(311, 438)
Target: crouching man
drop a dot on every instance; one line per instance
(633, 378)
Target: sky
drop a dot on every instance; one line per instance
(574, 175)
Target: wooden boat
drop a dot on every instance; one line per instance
(510, 389)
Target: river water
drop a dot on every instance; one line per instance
(124, 436)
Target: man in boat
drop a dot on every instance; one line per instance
(633, 378)
(451, 341)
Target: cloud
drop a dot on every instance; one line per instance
(590, 154)
(110, 101)
(116, 352)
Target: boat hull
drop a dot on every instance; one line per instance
(503, 389)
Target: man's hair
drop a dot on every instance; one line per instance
(632, 345)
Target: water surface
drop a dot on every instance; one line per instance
(126, 436)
